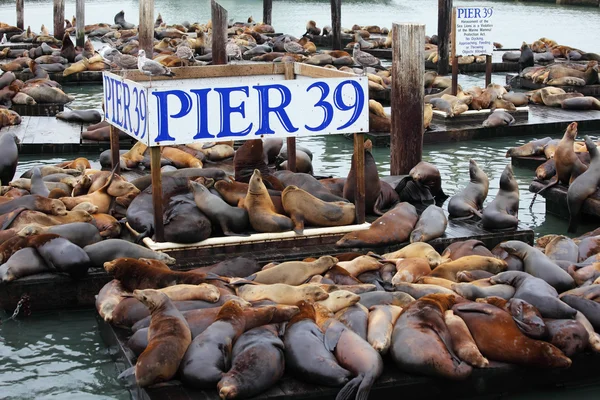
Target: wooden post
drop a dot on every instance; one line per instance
(80, 23)
(444, 24)
(406, 142)
(488, 70)
(146, 28)
(59, 19)
(336, 24)
(291, 141)
(267, 11)
(20, 14)
(453, 55)
(159, 228)
(115, 156)
(359, 184)
(218, 17)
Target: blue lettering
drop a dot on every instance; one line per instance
(265, 109)
(163, 112)
(326, 106)
(477, 10)
(202, 115)
(107, 95)
(227, 109)
(118, 89)
(113, 92)
(137, 112)
(143, 109)
(469, 13)
(126, 102)
(461, 13)
(358, 105)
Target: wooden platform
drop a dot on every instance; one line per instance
(542, 121)
(556, 201)
(80, 78)
(587, 90)
(52, 292)
(491, 383)
(531, 162)
(49, 135)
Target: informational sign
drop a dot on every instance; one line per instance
(474, 31)
(236, 108)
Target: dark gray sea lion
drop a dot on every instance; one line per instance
(497, 118)
(9, 156)
(120, 20)
(231, 220)
(502, 212)
(583, 186)
(568, 335)
(308, 183)
(85, 116)
(37, 184)
(232, 267)
(356, 318)
(581, 103)
(589, 308)
(539, 265)
(536, 292)
(271, 149)
(111, 249)
(474, 292)
(526, 59)
(23, 263)
(191, 173)
(469, 201)
(431, 225)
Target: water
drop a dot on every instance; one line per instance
(62, 355)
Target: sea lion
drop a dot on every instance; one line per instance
(470, 276)
(418, 290)
(23, 262)
(83, 116)
(232, 220)
(527, 317)
(179, 158)
(381, 324)
(294, 272)
(150, 274)
(232, 267)
(417, 250)
(473, 292)
(353, 353)
(575, 103)
(393, 227)
(502, 212)
(108, 298)
(526, 58)
(355, 318)
(339, 300)
(208, 356)
(539, 265)
(562, 248)
(107, 225)
(499, 117)
(334, 185)
(410, 270)
(583, 186)
(271, 148)
(462, 341)
(449, 269)
(261, 210)
(184, 292)
(533, 148)
(9, 156)
(305, 353)
(463, 248)
(111, 249)
(469, 201)
(594, 338)
(248, 158)
(360, 264)
(303, 163)
(546, 170)
(372, 183)
(371, 299)
(303, 207)
(518, 99)
(35, 203)
(257, 364)
(27, 217)
(485, 322)
(168, 339)
(309, 184)
(568, 335)
(422, 342)
(428, 175)
(281, 293)
(589, 308)
(431, 225)
(536, 292)
(79, 233)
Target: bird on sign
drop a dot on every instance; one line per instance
(365, 59)
(293, 47)
(151, 67)
(123, 61)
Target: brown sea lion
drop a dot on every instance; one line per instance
(469, 201)
(309, 184)
(568, 335)
(381, 324)
(581, 103)
(180, 159)
(35, 203)
(282, 294)
(562, 248)
(462, 341)
(360, 264)
(168, 339)
(486, 321)
(502, 212)
(294, 272)
(463, 248)
(261, 210)
(234, 193)
(417, 250)
(583, 186)
(34, 217)
(410, 270)
(335, 185)
(533, 148)
(248, 158)
(372, 183)
(449, 270)
(393, 227)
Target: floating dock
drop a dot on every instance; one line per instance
(556, 201)
(530, 162)
(519, 82)
(489, 383)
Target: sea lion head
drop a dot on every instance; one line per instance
(6, 274)
(327, 260)
(507, 180)
(233, 310)
(112, 266)
(571, 132)
(256, 184)
(197, 188)
(341, 299)
(119, 188)
(58, 207)
(306, 310)
(30, 230)
(150, 298)
(314, 293)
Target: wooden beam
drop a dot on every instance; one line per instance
(115, 156)
(219, 37)
(336, 24)
(444, 25)
(20, 14)
(453, 55)
(406, 138)
(59, 19)
(291, 141)
(267, 11)
(146, 27)
(80, 23)
(159, 228)
(314, 71)
(209, 71)
(488, 70)
(359, 183)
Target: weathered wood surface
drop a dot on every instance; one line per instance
(53, 292)
(336, 24)
(406, 138)
(20, 14)
(556, 201)
(492, 383)
(80, 23)
(443, 32)
(267, 11)
(59, 19)
(219, 35)
(146, 27)
(157, 194)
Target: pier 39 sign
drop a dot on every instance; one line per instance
(474, 29)
(184, 111)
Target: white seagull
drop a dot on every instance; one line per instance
(151, 67)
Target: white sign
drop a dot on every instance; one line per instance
(240, 108)
(474, 28)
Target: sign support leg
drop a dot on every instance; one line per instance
(453, 55)
(488, 70)
(291, 141)
(159, 229)
(59, 19)
(267, 9)
(20, 14)
(359, 183)
(114, 150)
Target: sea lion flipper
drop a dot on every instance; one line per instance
(471, 307)
(298, 221)
(332, 336)
(552, 182)
(348, 390)
(128, 377)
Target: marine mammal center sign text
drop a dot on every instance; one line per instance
(240, 108)
(474, 26)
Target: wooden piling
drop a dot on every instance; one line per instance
(291, 141)
(159, 228)
(218, 16)
(80, 23)
(336, 24)
(359, 183)
(59, 19)
(115, 157)
(488, 70)
(267, 11)
(20, 14)
(444, 25)
(453, 55)
(146, 27)
(406, 138)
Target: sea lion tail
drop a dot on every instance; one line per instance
(365, 387)
(349, 389)
(127, 377)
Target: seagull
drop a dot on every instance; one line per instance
(123, 61)
(233, 50)
(292, 47)
(363, 43)
(185, 53)
(365, 59)
(151, 67)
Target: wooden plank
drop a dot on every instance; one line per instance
(159, 229)
(20, 14)
(444, 28)
(336, 24)
(314, 71)
(80, 23)
(290, 141)
(212, 71)
(219, 34)
(59, 19)
(114, 150)
(146, 28)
